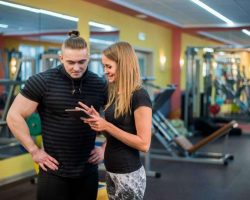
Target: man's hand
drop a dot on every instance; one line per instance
(44, 160)
(96, 155)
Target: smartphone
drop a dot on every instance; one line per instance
(77, 113)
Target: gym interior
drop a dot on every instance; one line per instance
(194, 58)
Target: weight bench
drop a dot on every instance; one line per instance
(183, 142)
(179, 147)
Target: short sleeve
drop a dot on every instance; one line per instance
(141, 98)
(34, 88)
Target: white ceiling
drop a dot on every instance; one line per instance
(185, 14)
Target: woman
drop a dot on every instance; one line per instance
(127, 123)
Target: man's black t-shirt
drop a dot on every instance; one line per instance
(120, 158)
(65, 138)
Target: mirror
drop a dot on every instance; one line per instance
(101, 36)
(30, 40)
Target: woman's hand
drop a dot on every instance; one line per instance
(96, 123)
(96, 155)
(89, 110)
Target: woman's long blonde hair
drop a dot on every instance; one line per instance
(127, 77)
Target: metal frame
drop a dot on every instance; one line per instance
(164, 133)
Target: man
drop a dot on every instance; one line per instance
(68, 163)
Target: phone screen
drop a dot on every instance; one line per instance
(77, 113)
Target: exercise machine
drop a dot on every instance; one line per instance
(49, 59)
(178, 147)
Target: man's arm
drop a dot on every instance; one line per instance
(20, 109)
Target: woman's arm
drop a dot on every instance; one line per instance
(143, 122)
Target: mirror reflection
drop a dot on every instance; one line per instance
(101, 36)
(30, 41)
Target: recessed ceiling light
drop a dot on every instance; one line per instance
(98, 41)
(103, 26)
(141, 16)
(4, 26)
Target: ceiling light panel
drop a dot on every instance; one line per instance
(186, 14)
(38, 11)
(247, 32)
(4, 26)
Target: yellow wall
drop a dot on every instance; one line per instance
(11, 43)
(245, 61)
(15, 166)
(158, 39)
(14, 43)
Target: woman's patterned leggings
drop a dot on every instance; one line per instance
(129, 186)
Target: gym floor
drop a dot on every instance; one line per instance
(182, 180)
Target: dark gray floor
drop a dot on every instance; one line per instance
(183, 181)
(191, 181)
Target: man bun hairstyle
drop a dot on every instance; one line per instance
(74, 33)
(74, 41)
